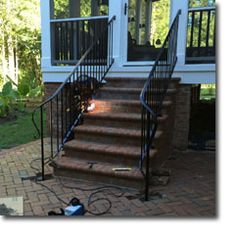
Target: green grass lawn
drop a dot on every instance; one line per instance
(18, 131)
(208, 91)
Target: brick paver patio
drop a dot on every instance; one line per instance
(191, 191)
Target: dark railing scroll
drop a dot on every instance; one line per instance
(153, 94)
(60, 113)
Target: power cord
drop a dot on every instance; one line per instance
(96, 191)
(91, 200)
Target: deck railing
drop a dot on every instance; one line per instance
(201, 36)
(70, 38)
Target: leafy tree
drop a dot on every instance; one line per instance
(61, 9)
(20, 40)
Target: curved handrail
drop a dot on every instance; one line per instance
(67, 79)
(142, 94)
(67, 104)
(153, 93)
(76, 66)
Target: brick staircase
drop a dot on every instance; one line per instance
(110, 136)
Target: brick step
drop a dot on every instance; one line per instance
(122, 120)
(110, 135)
(135, 82)
(122, 106)
(108, 92)
(100, 172)
(108, 153)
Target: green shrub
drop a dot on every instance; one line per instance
(28, 87)
(8, 99)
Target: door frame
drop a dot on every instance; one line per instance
(124, 40)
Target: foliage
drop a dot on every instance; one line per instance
(29, 88)
(201, 3)
(8, 98)
(20, 34)
(61, 9)
(208, 91)
(160, 20)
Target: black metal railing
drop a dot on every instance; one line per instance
(201, 35)
(153, 94)
(60, 113)
(70, 38)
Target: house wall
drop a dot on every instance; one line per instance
(189, 74)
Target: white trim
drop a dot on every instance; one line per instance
(138, 63)
(201, 8)
(189, 74)
(79, 18)
(46, 33)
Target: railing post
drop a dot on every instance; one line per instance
(183, 23)
(46, 33)
(42, 143)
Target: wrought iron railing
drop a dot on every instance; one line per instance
(61, 112)
(153, 94)
(201, 36)
(70, 38)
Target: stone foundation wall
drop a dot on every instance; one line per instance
(182, 117)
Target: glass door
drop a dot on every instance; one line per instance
(148, 24)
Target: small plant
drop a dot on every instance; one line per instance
(8, 99)
(30, 88)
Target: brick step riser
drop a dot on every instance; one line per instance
(108, 139)
(122, 95)
(120, 160)
(122, 108)
(132, 84)
(105, 179)
(118, 123)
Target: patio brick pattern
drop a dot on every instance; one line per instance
(190, 193)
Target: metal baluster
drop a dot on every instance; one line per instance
(192, 30)
(208, 29)
(42, 142)
(57, 121)
(62, 116)
(147, 159)
(51, 127)
(200, 29)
